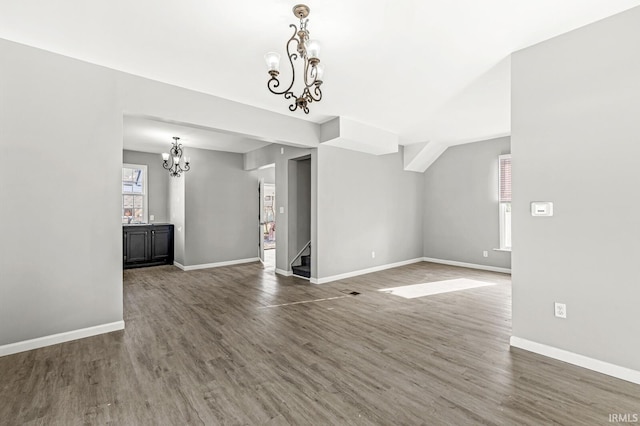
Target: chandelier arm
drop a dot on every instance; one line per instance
(274, 83)
(309, 96)
(294, 105)
(317, 92)
(310, 74)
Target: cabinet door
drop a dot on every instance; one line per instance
(136, 245)
(162, 244)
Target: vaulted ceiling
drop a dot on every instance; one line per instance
(424, 70)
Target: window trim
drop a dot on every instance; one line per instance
(503, 245)
(145, 192)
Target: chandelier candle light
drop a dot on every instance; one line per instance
(298, 47)
(175, 155)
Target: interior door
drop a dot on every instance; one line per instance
(261, 220)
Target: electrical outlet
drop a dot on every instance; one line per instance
(485, 253)
(373, 254)
(152, 218)
(560, 310)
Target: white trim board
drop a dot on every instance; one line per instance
(54, 339)
(467, 265)
(301, 277)
(363, 271)
(217, 264)
(283, 272)
(613, 370)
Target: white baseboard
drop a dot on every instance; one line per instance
(283, 272)
(217, 264)
(467, 265)
(613, 370)
(363, 271)
(301, 277)
(54, 339)
(178, 265)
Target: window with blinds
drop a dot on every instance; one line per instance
(504, 198)
(505, 178)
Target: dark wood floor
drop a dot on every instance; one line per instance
(209, 347)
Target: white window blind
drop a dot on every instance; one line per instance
(505, 178)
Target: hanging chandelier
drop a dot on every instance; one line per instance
(298, 47)
(173, 160)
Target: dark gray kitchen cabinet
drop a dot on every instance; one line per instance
(147, 245)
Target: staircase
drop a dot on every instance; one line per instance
(301, 264)
(304, 269)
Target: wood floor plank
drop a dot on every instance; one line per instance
(210, 347)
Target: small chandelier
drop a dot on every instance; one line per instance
(298, 46)
(175, 155)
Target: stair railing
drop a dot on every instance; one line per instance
(308, 245)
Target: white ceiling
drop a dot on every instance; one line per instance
(425, 70)
(152, 135)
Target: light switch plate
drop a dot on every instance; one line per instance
(542, 208)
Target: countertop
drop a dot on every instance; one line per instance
(146, 224)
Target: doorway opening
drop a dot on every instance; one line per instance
(267, 215)
(269, 227)
(299, 219)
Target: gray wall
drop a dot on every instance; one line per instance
(366, 203)
(575, 142)
(177, 217)
(157, 185)
(65, 117)
(221, 210)
(461, 204)
(60, 227)
(213, 207)
(268, 174)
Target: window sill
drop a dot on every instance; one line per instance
(507, 250)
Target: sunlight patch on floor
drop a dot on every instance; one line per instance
(438, 287)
